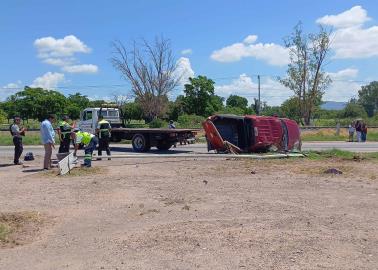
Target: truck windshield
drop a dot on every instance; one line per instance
(112, 113)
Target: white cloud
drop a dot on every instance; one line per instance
(87, 68)
(186, 51)
(49, 80)
(250, 39)
(184, 70)
(10, 89)
(353, 17)
(344, 74)
(271, 90)
(272, 53)
(67, 46)
(343, 87)
(60, 62)
(350, 39)
(61, 52)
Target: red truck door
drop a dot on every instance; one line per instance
(213, 136)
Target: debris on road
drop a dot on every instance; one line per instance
(333, 171)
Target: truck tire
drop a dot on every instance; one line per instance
(163, 145)
(140, 143)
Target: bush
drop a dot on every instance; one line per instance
(190, 121)
(157, 123)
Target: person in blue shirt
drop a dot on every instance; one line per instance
(48, 140)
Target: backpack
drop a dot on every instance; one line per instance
(29, 156)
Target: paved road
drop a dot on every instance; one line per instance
(201, 148)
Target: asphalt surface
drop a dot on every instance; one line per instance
(201, 148)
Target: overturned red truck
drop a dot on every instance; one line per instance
(251, 133)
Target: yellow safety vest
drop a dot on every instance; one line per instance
(104, 127)
(83, 137)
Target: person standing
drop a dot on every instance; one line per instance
(48, 140)
(90, 141)
(171, 125)
(358, 130)
(17, 134)
(351, 130)
(363, 132)
(103, 130)
(64, 135)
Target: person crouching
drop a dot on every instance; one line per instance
(90, 142)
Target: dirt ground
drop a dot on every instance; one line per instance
(196, 214)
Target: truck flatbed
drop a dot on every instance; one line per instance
(143, 139)
(154, 130)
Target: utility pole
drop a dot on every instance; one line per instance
(259, 99)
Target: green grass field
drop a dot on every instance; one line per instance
(341, 154)
(329, 135)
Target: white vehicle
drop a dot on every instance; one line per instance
(142, 139)
(89, 118)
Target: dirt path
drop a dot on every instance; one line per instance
(197, 214)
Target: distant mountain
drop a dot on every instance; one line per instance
(333, 105)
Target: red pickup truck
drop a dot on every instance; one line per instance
(251, 133)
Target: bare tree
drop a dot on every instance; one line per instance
(305, 74)
(151, 70)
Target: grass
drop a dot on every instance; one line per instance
(31, 138)
(4, 232)
(340, 154)
(17, 224)
(329, 135)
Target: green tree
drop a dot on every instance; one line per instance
(79, 100)
(305, 74)
(290, 109)
(200, 98)
(353, 110)
(132, 111)
(237, 101)
(73, 111)
(368, 98)
(176, 108)
(37, 103)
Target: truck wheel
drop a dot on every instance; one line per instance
(140, 143)
(163, 146)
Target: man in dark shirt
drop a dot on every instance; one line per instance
(17, 134)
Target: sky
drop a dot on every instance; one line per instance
(66, 45)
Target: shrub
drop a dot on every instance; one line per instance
(157, 123)
(190, 121)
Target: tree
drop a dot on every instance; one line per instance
(290, 109)
(368, 98)
(37, 103)
(151, 70)
(79, 101)
(132, 111)
(353, 110)
(237, 101)
(200, 98)
(176, 108)
(305, 74)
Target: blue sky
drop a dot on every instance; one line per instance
(65, 45)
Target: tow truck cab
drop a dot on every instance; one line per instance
(89, 118)
(252, 133)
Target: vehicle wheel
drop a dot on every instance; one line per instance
(163, 146)
(140, 143)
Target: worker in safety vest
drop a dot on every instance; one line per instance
(103, 132)
(90, 141)
(64, 132)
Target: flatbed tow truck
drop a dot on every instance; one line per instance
(142, 139)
